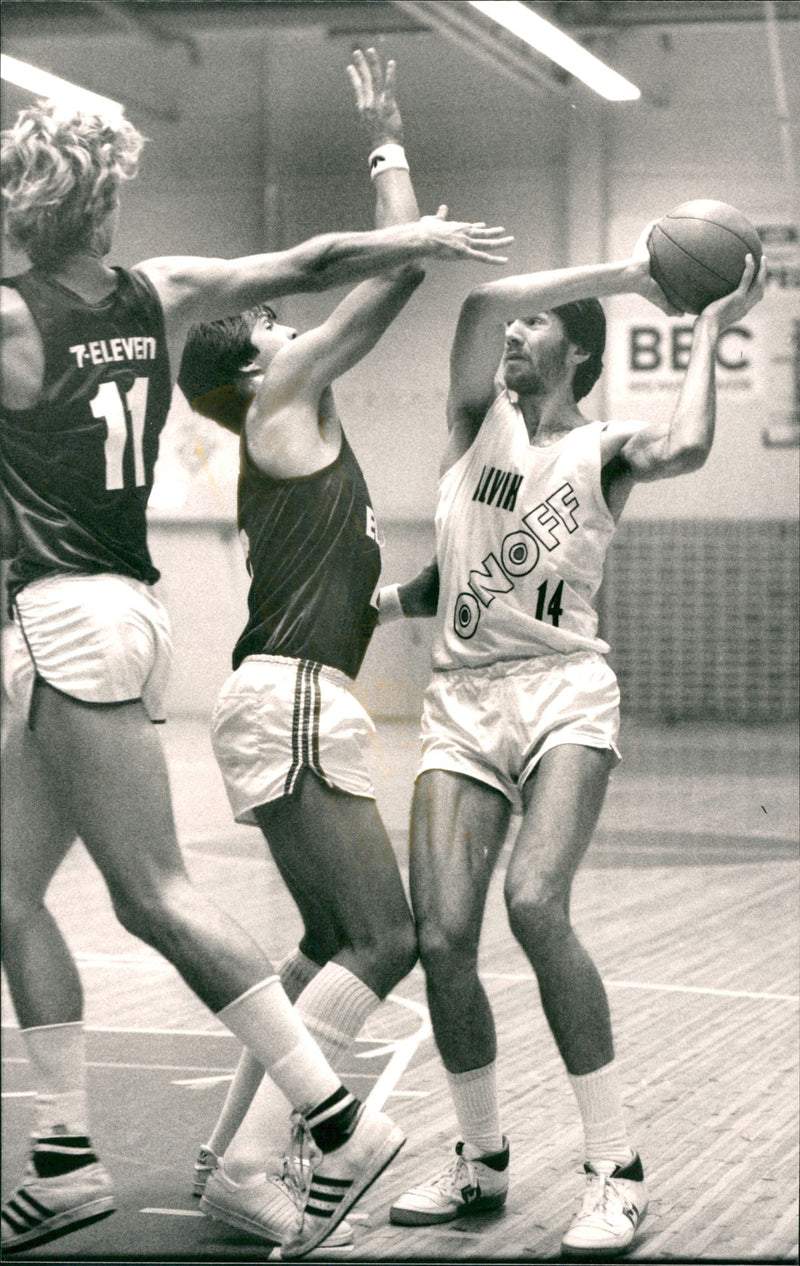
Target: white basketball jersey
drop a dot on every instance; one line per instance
(522, 534)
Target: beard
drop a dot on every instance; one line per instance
(529, 379)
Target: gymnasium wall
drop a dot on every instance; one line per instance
(700, 601)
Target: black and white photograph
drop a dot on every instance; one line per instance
(399, 510)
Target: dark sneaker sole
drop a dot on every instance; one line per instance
(411, 1217)
(46, 1233)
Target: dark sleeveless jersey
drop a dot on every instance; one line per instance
(77, 468)
(314, 560)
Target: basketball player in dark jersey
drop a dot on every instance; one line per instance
(88, 355)
(287, 731)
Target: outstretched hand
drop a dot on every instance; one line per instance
(750, 291)
(374, 89)
(455, 239)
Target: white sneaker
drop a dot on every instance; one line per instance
(204, 1167)
(269, 1208)
(43, 1208)
(338, 1178)
(613, 1206)
(463, 1188)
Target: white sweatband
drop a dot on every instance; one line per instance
(389, 607)
(385, 157)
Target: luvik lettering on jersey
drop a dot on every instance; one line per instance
(520, 551)
(107, 350)
(498, 487)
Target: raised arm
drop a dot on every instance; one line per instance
(478, 343)
(194, 290)
(682, 444)
(315, 359)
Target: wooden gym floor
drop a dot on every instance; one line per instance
(688, 901)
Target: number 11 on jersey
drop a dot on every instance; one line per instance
(114, 406)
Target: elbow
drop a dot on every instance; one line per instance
(412, 275)
(477, 299)
(320, 265)
(692, 457)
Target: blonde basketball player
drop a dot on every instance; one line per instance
(84, 347)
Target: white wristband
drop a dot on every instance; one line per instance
(389, 607)
(385, 157)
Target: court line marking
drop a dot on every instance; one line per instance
(176, 1213)
(104, 1028)
(112, 1063)
(636, 984)
(404, 1050)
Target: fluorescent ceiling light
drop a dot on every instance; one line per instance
(43, 84)
(560, 48)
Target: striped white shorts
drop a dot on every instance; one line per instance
(276, 717)
(495, 723)
(98, 638)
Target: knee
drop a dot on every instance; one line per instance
(148, 909)
(446, 952)
(538, 917)
(392, 953)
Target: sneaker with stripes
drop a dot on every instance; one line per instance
(267, 1208)
(64, 1187)
(337, 1178)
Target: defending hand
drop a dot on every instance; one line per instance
(375, 100)
(454, 239)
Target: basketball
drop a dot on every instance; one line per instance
(697, 252)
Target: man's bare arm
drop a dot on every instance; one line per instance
(682, 443)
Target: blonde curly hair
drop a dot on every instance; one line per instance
(61, 170)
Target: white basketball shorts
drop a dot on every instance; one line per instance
(495, 723)
(98, 638)
(276, 717)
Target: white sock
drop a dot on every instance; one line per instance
(57, 1053)
(265, 1021)
(333, 1008)
(295, 971)
(475, 1099)
(600, 1104)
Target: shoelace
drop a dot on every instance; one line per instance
(459, 1173)
(298, 1166)
(601, 1193)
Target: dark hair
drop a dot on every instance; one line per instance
(215, 354)
(585, 324)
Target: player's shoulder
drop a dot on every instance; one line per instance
(18, 329)
(14, 312)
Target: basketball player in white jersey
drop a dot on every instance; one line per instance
(522, 708)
